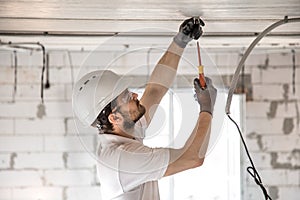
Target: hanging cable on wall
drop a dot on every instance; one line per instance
(251, 169)
(15, 74)
(294, 71)
(47, 84)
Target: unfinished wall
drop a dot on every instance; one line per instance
(41, 156)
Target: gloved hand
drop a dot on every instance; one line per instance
(188, 30)
(207, 97)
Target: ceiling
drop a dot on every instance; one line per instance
(77, 24)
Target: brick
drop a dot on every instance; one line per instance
(21, 143)
(252, 193)
(45, 126)
(6, 92)
(20, 178)
(6, 75)
(268, 92)
(30, 193)
(280, 59)
(4, 161)
(6, 58)
(261, 160)
(276, 177)
(264, 126)
(256, 59)
(32, 92)
(256, 75)
(5, 193)
(82, 193)
(58, 109)
(278, 75)
(81, 160)
(18, 109)
(38, 161)
(6, 126)
(69, 143)
(29, 75)
(68, 177)
(30, 109)
(253, 145)
(280, 143)
(291, 192)
(257, 109)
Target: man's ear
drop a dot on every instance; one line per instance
(113, 118)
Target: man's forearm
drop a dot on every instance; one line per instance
(197, 143)
(165, 71)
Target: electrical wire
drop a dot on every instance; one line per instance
(15, 74)
(251, 169)
(294, 71)
(246, 54)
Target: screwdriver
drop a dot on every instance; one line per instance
(200, 69)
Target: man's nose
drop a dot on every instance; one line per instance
(134, 96)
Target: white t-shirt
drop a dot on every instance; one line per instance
(129, 170)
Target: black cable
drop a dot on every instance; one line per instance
(15, 74)
(43, 70)
(251, 169)
(294, 71)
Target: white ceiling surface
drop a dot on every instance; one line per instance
(86, 23)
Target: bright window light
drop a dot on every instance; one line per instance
(219, 177)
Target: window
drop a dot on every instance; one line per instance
(219, 177)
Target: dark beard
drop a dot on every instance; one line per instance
(128, 123)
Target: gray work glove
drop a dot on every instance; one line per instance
(205, 97)
(188, 30)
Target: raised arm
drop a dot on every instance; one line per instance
(165, 71)
(193, 153)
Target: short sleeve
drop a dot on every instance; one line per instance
(139, 164)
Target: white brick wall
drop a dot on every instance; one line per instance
(46, 158)
(69, 177)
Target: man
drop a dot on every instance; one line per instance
(127, 169)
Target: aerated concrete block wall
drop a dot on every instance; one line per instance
(42, 156)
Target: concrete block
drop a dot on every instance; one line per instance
(252, 193)
(32, 92)
(278, 177)
(7, 75)
(281, 143)
(256, 75)
(261, 160)
(6, 92)
(4, 161)
(257, 109)
(6, 58)
(268, 92)
(37, 193)
(277, 75)
(82, 193)
(5, 193)
(69, 143)
(21, 143)
(68, 177)
(6, 126)
(45, 126)
(264, 126)
(291, 192)
(38, 161)
(74, 127)
(59, 109)
(23, 178)
(29, 75)
(256, 59)
(280, 59)
(18, 109)
(81, 160)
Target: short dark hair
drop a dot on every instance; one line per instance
(102, 122)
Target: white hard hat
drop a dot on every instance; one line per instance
(94, 91)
